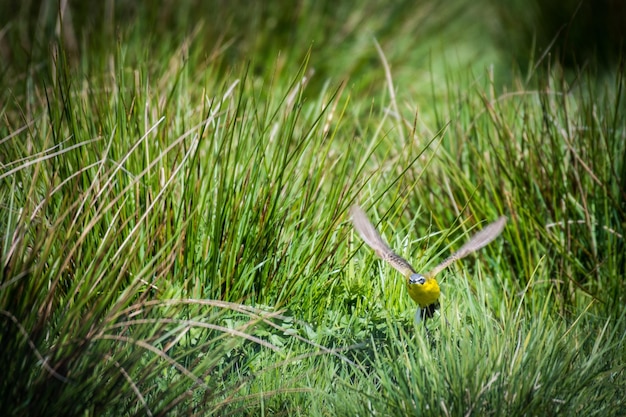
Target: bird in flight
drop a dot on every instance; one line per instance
(423, 289)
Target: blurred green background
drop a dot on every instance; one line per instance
(573, 32)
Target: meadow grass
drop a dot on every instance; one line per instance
(175, 230)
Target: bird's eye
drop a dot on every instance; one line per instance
(417, 279)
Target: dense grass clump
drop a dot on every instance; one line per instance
(175, 236)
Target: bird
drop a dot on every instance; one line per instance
(422, 288)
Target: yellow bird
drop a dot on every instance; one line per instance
(423, 289)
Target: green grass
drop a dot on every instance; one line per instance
(175, 237)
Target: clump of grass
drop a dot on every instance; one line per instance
(127, 237)
(518, 364)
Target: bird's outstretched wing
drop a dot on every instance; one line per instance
(478, 241)
(370, 235)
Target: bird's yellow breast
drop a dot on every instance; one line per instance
(424, 294)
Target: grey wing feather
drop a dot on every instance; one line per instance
(478, 241)
(370, 235)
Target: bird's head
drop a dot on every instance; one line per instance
(417, 279)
